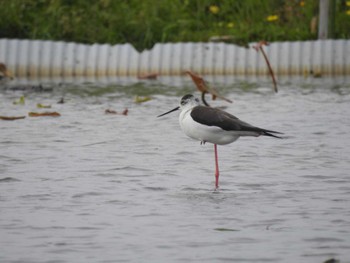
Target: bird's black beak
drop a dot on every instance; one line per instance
(175, 109)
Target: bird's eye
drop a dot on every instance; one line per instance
(197, 100)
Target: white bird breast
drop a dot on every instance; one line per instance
(204, 133)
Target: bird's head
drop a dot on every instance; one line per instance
(186, 101)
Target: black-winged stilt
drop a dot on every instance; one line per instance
(213, 125)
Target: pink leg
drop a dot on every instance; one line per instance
(216, 167)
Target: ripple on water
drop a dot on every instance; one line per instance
(41, 197)
(87, 194)
(133, 171)
(9, 180)
(323, 239)
(156, 189)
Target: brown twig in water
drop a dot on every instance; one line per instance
(258, 47)
(6, 118)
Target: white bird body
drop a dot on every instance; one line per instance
(203, 133)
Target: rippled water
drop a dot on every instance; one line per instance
(91, 187)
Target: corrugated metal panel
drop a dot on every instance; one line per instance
(33, 59)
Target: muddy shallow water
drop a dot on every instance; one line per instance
(94, 187)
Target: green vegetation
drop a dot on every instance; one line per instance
(144, 23)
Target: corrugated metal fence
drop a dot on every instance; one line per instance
(35, 58)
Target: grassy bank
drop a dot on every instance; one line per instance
(144, 23)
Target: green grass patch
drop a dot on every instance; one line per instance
(144, 23)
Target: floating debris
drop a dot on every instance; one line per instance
(42, 106)
(108, 111)
(124, 112)
(139, 99)
(44, 114)
(20, 101)
(7, 118)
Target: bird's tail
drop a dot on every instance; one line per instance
(272, 134)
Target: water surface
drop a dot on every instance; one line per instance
(92, 187)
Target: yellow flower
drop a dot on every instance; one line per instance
(347, 3)
(348, 12)
(214, 9)
(230, 25)
(272, 18)
(302, 3)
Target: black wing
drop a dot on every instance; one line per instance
(226, 121)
